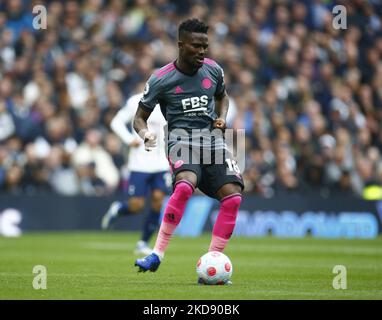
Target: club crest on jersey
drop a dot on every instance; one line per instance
(195, 103)
(206, 83)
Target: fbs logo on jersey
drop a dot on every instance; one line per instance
(195, 103)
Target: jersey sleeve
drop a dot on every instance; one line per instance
(220, 87)
(150, 94)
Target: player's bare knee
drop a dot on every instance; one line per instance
(187, 176)
(136, 204)
(229, 189)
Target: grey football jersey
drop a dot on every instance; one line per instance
(187, 102)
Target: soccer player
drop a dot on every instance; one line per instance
(149, 172)
(192, 96)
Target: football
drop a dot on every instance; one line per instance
(214, 268)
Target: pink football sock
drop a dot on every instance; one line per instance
(225, 222)
(172, 215)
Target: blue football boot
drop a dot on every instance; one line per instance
(150, 262)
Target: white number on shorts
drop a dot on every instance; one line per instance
(232, 165)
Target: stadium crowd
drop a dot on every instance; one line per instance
(308, 95)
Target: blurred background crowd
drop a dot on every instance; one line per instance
(308, 95)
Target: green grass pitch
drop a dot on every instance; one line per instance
(100, 266)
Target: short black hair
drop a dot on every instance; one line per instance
(192, 25)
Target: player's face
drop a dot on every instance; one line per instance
(193, 49)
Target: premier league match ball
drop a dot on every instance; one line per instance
(214, 268)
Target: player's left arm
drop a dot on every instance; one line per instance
(221, 101)
(221, 108)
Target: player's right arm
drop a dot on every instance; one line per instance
(146, 105)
